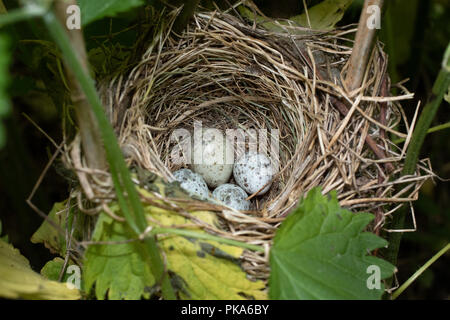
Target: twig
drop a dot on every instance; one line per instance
(357, 67)
(361, 48)
(89, 131)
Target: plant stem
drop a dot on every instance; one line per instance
(88, 126)
(440, 88)
(431, 130)
(361, 48)
(408, 282)
(205, 236)
(129, 201)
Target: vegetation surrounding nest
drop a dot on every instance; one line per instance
(347, 157)
(228, 73)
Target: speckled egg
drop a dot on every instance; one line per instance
(213, 157)
(192, 183)
(232, 196)
(253, 171)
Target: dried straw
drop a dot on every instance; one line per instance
(230, 74)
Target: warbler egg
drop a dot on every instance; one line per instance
(192, 183)
(213, 157)
(253, 171)
(232, 196)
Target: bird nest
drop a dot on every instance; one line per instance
(226, 72)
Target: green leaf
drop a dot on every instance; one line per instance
(119, 271)
(5, 106)
(195, 262)
(48, 235)
(322, 16)
(52, 269)
(126, 193)
(98, 9)
(122, 271)
(321, 252)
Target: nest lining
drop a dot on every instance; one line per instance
(230, 74)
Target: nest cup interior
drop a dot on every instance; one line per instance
(211, 83)
(225, 74)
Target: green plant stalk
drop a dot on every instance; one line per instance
(131, 206)
(440, 88)
(205, 236)
(431, 130)
(19, 15)
(419, 272)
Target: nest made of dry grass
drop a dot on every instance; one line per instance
(231, 73)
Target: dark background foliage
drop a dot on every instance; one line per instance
(415, 34)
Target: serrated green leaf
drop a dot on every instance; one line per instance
(119, 271)
(321, 252)
(98, 9)
(18, 280)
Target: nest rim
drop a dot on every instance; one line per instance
(327, 149)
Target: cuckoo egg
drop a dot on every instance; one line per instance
(253, 171)
(192, 183)
(232, 196)
(213, 157)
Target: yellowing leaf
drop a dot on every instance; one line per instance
(205, 275)
(18, 280)
(199, 269)
(206, 269)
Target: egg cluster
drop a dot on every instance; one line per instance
(253, 173)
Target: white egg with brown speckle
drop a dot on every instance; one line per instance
(253, 171)
(232, 196)
(213, 157)
(192, 183)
